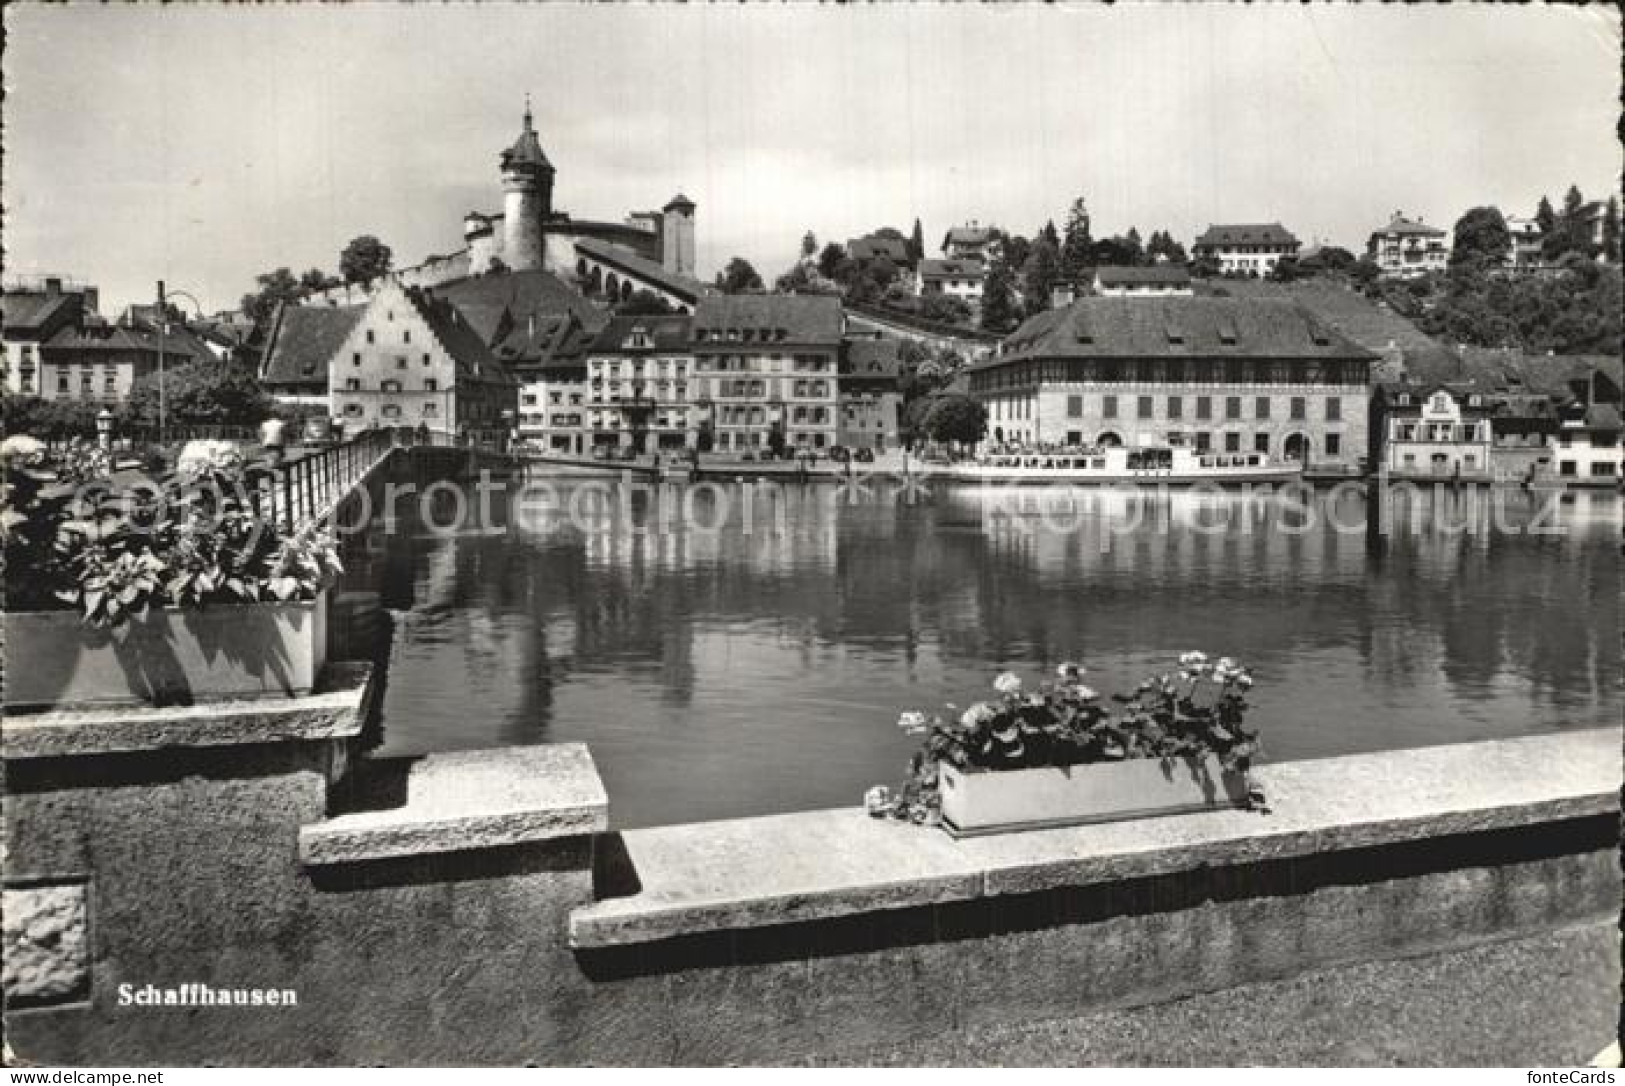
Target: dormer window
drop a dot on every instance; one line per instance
(1227, 335)
(1176, 335)
(1320, 337)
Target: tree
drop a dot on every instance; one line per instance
(1079, 244)
(1337, 259)
(809, 245)
(1162, 248)
(1286, 270)
(956, 419)
(916, 243)
(1113, 251)
(1365, 271)
(999, 313)
(946, 308)
(1040, 274)
(1610, 230)
(364, 259)
(644, 303)
(1136, 248)
(1482, 239)
(201, 392)
(1545, 217)
(738, 277)
(313, 280)
(833, 263)
(275, 288)
(1206, 266)
(1051, 236)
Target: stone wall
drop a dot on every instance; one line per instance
(473, 908)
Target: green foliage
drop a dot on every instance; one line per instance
(1574, 311)
(75, 540)
(1481, 238)
(1194, 711)
(364, 259)
(1206, 266)
(1610, 230)
(50, 420)
(1039, 275)
(916, 243)
(956, 419)
(833, 263)
(275, 288)
(1162, 248)
(945, 308)
(999, 312)
(644, 303)
(738, 277)
(1077, 248)
(201, 392)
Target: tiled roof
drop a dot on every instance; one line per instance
(117, 337)
(36, 313)
(668, 332)
(1115, 275)
(1269, 233)
(871, 357)
(517, 313)
(1213, 328)
(639, 267)
(1404, 226)
(462, 342)
(303, 340)
(527, 149)
(871, 246)
(767, 318)
(952, 269)
(1602, 416)
(967, 235)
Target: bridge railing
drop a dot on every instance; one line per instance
(300, 494)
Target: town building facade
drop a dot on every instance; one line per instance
(1435, 430)
(766, 371)
(1225, 374)
(1153, 281)
(1246, 249)
(961, 277)
(1524, 241)
(973, 241)
(871, 404)
(1407, 248)
(413, 360)
(640, 374)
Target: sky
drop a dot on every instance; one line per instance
(203, 145)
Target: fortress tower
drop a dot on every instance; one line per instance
(527, 181)
(677, 236)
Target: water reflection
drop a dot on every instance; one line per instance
(739, 650)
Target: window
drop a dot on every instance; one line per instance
(1261, 407)
(400, 362)
(390, 386)
(1602, 468)
(1108, 406)
(1204, 441)
(1299, 407)
(425, 358)
(1334, 408)
(1261, 442)
(110, 385)
(352, 384)
(355, 359)
(391, 411)
(406, 335)
(1565, 467)
(1232, 442)
(352, 410)
(1176, 407)
(1334, 444)
(62, 382)
(1144, 407)
(1232, 407)
(370, 337)
(1074, 408)
(1204, 407)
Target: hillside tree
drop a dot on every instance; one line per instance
(364, 259)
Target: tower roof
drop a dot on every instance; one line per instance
(527, 149)
(680, 202)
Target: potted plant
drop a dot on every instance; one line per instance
(1058, 755)
(167, 591)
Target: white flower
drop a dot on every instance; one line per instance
(976, 714)
(1007, 683)
(1086, 693)
(22, 449)
(877, 800)
(913, 723)
(1069, 672)
(1192, 659)
(203, 456)
(1244, 681)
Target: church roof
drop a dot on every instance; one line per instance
(527, 149)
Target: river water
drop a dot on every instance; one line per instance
(739, 650)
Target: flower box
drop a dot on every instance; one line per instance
(169, 657)
(1020, 799)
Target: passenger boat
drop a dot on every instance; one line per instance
(1116, 464)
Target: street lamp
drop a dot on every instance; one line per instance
(163, 329)
(104, 429)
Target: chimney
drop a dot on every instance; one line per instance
(53, 286)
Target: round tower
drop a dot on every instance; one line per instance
(527, 184)
(677, 235)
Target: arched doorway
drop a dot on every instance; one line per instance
(626, 289)
(1110, 440)
(612, 285)
(1296, 447)
(595, 280)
